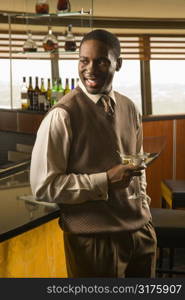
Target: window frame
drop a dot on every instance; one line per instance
(133, 46)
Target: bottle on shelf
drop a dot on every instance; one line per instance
(24, 94)
(70, 44)
(42, 97)
(63, 6)
(50, 42)
(60, 89)
(36, 93)
(48, 96)
(54, 92)
(77, 81)
(72, 83)
(30, 94)
(42, 7)
(30, 44)
(67, 88)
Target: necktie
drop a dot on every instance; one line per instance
(107, 105)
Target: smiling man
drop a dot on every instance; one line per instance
(97, 66)
(75, 163)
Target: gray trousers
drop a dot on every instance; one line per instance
(118, 255)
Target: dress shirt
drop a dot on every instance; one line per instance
(49, 162)
(96, 97)
(48, 177)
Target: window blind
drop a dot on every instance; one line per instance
(141, 47)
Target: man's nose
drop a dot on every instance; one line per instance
(91, 67)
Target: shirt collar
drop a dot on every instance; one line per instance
(96, 97)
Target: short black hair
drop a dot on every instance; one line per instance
(106, 37)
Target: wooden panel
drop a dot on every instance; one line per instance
(29, 123)
(162, 167)
(8, 121)
(180, 148)
(38, 252)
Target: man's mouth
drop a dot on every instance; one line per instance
(92, 82)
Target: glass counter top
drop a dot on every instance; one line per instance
(18, 209)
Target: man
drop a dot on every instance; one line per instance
(76, 164)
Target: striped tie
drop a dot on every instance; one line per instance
(107, 105)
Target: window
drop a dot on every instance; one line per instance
(68, 68)
(33, 68)
(20, 68)
(168, 86)
(5, 83)
(166, 56)
(127, 81)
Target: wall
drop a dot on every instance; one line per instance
(9, 141)
(162, 168)
(109, 8)
(171, 162)
(16, 128)
(140, 8)
(118, 8)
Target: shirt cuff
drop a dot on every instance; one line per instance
(100, 185)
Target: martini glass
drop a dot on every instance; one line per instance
(143, 159)
(137, 160)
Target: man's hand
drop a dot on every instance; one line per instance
(121, 175)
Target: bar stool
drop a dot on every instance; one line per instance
(173, 196)
(173, 193)
(170, 230)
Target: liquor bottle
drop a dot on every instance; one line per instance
(48, 102)
(77, 81)
(30, 94)
(60, 89)
(24, 94)
(42, 7)
(67, 89)
(70, 44)
(63, 6)
(42, 96)
(36, 93)
(50, 42)
(30, 44)
(72, 83)
(54, 92)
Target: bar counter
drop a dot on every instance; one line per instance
(31, 241)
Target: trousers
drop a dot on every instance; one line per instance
(117, 255)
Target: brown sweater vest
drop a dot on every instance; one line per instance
(94, 149)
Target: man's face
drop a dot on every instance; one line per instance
(97, 65)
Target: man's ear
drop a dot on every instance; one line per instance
(118, 64)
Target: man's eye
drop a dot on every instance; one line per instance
(84, 61)
(102, 62)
